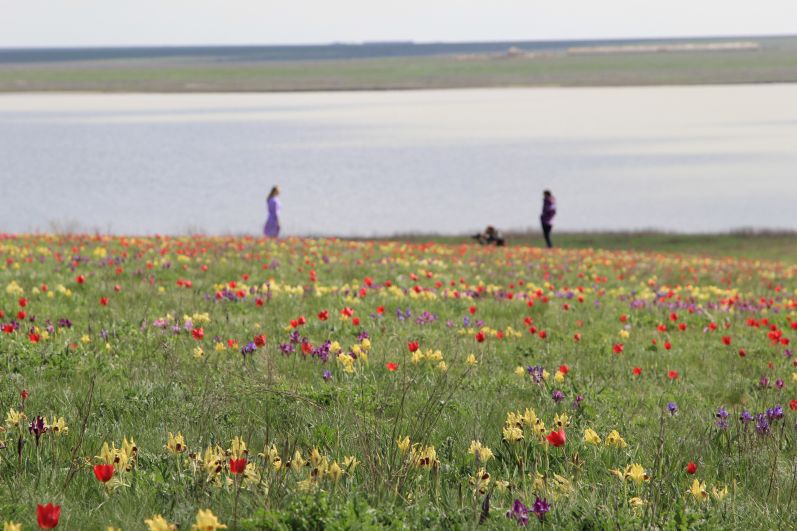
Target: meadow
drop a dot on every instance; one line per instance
(196, 383)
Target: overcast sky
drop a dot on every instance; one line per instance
(154, 22)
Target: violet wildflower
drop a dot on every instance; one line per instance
(327, 376)
(286, 348)
(672, 407)
(37, 427)
(722, 418)
(762, 424)
(775, 413)
(540, 507)
(745, 417)
(764, 381)
(557, 396)
(577, 401)
(779, 383)
(519, 513)
(535, 372)
(248, 348)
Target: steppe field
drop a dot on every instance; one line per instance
(204, 382)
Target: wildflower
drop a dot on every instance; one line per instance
(334, 471)
(561, 420)
(412, 346)
(637, 371)
(159, 523)
(698, 490)
(103, 473)
(48, 515)
(198, 333)
(557, 438)
(479, 481)
(512, 434)
(519, 513)
(745, 417)
(540, 507)
(636, 502)
(557, 396)
(12, 526)
(636, 473)
(691, 468)
(722, 418)
(718, 494)
(14, 418)
(762, 424)
(403, 444)
(617, 348)
(614, 439)
(207, 521)
(591, 436)
(520, 371)
(326, 375)
(471, 360)
(38, 427)
(672, 407)
(391, 366)
(482, 453)
(238, 466)
(672, 375)
(350, 463)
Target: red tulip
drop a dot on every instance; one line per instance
(23, 302)
(637, 371)
(793, 405)
(260, 340)
(617, 348)
(412, 346)
(691, 468)
(391, 366)
(726, 340)
(198, 333)
(103, 301)
(472, 310)
(238, 466)
(323, 315)
(355, 321)
(80, 279)
(480, 337)
(103, 473)
(672, 375)
(564, 369)
(48, 515)
(557, 438)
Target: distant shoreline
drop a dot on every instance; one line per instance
(402, 66)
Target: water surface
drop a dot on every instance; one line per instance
(690, 159)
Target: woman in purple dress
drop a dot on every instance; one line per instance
(272, 228)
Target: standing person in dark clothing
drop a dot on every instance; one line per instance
(546, 218)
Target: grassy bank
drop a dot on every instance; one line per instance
(756, 245)
(776, 61)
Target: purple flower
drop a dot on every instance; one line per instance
(248, 348)
(722, 418)
(535, 372)
(557, 396)
(37, 427)
(775, 413)
(762, 424)
(764, 381)
(672, 407)
(519, 513)
(745, 417)
(540, 507)
(286, 348)
(779, 383)
(327, 376)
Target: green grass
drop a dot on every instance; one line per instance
(119, 373)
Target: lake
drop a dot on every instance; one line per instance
(691, 159)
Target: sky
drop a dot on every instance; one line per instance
(42, 23)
